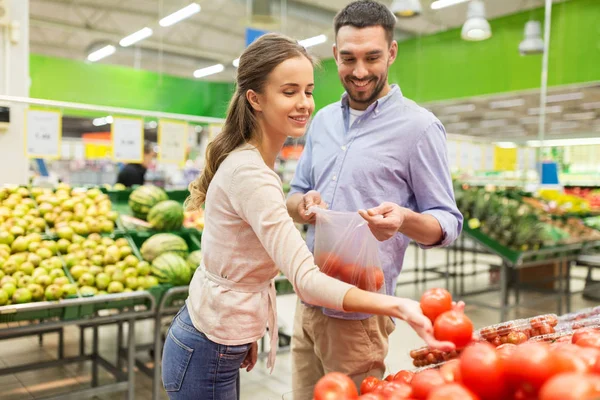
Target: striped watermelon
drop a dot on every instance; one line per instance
(142, 199)
(194, 259)
(172, 268)
(166, 216)
(163, 243)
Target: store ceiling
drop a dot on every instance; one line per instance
(571, 111)
(74, 28)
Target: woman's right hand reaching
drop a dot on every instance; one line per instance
(410, 311)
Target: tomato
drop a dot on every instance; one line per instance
(505, 350)
(452, 391)
(455, 327)
(566, 359)
(424, 381)
(589, 341)
(588, 354)
(571, 386)
(396, 389)
(368, 384)
(451, 371)
(372, 396)
(380, 386)
(404, 376)
(370, 278)
(584, 333)
(481, 371)
(529, 366)
(329, 263)
(348, 273)
(389, 378)
(434, 302)
(335, 386)
(596, 367)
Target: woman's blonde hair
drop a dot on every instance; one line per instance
(256, 63)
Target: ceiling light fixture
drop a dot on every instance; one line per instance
(214, 69)
(236, 62)
(180, 15)
(439, 4)
(533, 42)
(313, 41)
(101, 53)
(136, 37)
(476, 27)
(406, 8)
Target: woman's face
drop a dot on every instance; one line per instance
(287, 102)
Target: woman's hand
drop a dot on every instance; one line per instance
(251, 358)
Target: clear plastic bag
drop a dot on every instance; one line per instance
(346, 249)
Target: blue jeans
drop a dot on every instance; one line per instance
(194, 367)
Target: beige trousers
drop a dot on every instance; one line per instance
(321, 344)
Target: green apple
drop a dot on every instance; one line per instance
(56, 273)
(69, 290)
(21, 295)
(18, 275)
(37, 291)
(10, 267)
(61, 281)
(33, 247)
(143, 268)
(44, 253)
(71, 260)
(9, 288)
(121, 265)
(25, 281)
(125, 251)
(97, 260)
(38, 272)
(131, 261)
(86, 279)
(73, 248)
(20, 244)
(151, 281)
(43, 280)
(34, 259)
(110, 269)
(78, 239)
(118, 276)
(3, 297)
(106, 241)
(6, 238)
(115, 287)
(63, 245)
(96, 269)
(78, 270)
(89, 244)
(130, 272)
(121, 242)
(131, 282)
(102, 280)
(50, 245)
(53, 292)
(88, 291)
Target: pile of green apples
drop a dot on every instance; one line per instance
(101, 265)
(80, 211)
(18, 214)
(31, 270)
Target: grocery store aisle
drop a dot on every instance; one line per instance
(257, 385)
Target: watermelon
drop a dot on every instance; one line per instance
(194, 259)
(142, 199)
(163, 243)
(172, 268)
(166, 216)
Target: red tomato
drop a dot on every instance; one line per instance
(571, 386)
(423, 382)
(451, 371)
(588, 354)
(505, 350)
(335, 385)
(372, 396)
(455, 327)
(370, 278)
(368, 384)
(596, 367)
(529, 366)
(584, 332)
(380, 386)
(348, 274)
(389, 378)
(452, 391)
(589, 341)
(396, 390)
(329, 263)
(404, 376)
(566, 359)
(435, 302)
(481, 371)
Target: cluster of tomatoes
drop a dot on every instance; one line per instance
(567, 369)
(519, 331)
(364, 277)
(448, 324)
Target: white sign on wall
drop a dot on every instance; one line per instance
(43, 134)
(172, 141)
(128, 139)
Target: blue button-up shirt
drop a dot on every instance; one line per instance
(395, 151)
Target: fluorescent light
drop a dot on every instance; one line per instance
(136, 37)
(459, 108)
(215, 69)
(101, 53)
(591, 106)
(549, 110)
(565, 142)
(236, 62)
(564, 97)
(507, 103)
(506, 145)
(109, 119)
(313, 41)
(580, 116)
(99, 121)
(439, 4)
(406, 8)
(180, 15)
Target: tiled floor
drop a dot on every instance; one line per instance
(257, 385)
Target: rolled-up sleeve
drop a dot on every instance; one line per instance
(302, 181)
(431, 183)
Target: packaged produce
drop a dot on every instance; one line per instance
(581, 314)
(425, 356)
(520, 330)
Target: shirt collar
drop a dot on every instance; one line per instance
(394, 91)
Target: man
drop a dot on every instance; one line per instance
(378, 152)
(135, 174)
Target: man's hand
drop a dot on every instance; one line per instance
(310, 199)
(385, 220)
(251, 357)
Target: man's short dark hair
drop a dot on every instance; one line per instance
(366, 13)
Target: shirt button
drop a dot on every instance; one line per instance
(344, 148)
(334, 178)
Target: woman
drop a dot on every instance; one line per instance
(248, 235)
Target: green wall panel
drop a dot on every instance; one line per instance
(77, 81)
(443, 66)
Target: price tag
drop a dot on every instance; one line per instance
(172, 141)
(127, 136)
(43, 134)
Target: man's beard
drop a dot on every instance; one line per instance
(379, 85)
